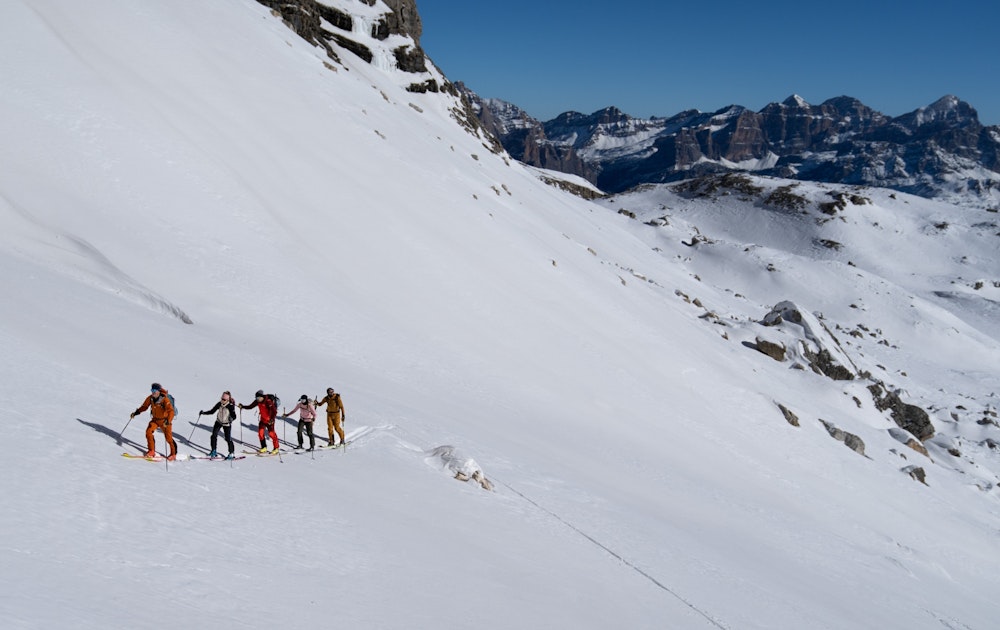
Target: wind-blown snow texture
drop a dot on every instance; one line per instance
(165, 163)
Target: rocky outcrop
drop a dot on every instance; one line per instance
(403, 20)
(306, 18)
(808, 341)
(523, 138)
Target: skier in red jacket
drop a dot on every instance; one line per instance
(267, 405)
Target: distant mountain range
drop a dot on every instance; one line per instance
(939, 151)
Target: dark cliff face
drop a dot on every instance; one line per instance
(792, 127)
(306, 17)
(841, 140)
(404, 19)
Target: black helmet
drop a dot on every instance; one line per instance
(303, 398)
(155, 387)
(259, 394)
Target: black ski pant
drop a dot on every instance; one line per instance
(227, 431)
(308, 426)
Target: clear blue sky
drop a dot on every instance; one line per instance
(656, 57)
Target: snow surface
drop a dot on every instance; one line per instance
(192, 161)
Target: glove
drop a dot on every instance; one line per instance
(201, 413)
(131, 415)
(241, 406)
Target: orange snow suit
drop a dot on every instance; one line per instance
(163, 414)
(334, 415)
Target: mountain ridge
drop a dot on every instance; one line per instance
(937, 151)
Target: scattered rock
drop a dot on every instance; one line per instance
(852, 441)
(789, 416)
(774, 350)
(904, 437)
(916, 472)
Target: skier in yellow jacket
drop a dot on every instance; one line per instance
(335, 414)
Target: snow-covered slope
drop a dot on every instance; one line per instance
(192, 194)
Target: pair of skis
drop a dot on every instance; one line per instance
(180, 458)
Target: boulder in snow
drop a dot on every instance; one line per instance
(461, 467)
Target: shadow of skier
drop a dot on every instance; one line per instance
(119, 439)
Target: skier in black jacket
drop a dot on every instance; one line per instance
(225, 413)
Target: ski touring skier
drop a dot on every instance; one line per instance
(267, 406)
(225, 413)
(307, 414)
(162, 416)
(335, 415)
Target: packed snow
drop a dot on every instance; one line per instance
(191, 194)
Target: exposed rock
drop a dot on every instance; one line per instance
(411, 59)
(403, 20)
(823, 363)
(814, 342)
(306, 17)
(916, 472)
(576, 189)
(789, 416)
(904, 437)
(774, 350)
(852, 441)
(908, 417)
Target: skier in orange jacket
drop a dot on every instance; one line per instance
(162, 412)
(335, 414)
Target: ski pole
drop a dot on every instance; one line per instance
(196, 425)
(123, 429)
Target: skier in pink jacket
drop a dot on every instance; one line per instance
(307, 414)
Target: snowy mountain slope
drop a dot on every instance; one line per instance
(908, 285)
(326, 227)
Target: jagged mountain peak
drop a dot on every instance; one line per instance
(729, 111)
(948, 109)
(795, 101)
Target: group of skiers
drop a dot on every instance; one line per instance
(162, 411)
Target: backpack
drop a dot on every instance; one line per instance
(272, 403)
(173, 403)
